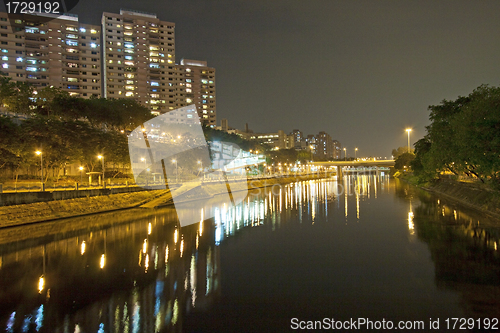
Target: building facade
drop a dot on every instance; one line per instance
(131, 55)
(60, 52)
(139, 59)
(196, 85)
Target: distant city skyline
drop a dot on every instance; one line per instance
(361, 71)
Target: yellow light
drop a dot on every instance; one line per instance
(166, 254)
(182, 246)
(82, 248)
(176, 236)
(408, 129)
(99, 156)
(145, 246)
(81, 168)
(103, 261)
(38, 152)
(41, 284)
(149, 227)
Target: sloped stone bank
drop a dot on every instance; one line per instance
(45, 211)
(470, 195)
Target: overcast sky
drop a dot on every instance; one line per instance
(362, 71)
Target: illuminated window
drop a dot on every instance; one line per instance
(188, 70)
(93, 31)
(5, 65)
(5, 58)
(128, 94)
(83, 30)
(188, 100)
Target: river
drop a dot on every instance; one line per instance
(287, 257)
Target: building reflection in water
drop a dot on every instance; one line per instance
(145, 275)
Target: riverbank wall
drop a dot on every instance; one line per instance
(15, 215)
(472, 195)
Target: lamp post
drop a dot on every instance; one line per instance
(355, 151)
(201, 167)
(39, 152)
(345, 156)
(81, 176)
(311, 148)
(408, 130)
(176, 173)
(101, 157)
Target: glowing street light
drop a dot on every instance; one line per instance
(355, 151)
(101, 157)
(345, 156)
(81, 176)
(408, 130)
(39, 153)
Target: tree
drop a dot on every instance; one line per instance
(401, 150)
(403, 161)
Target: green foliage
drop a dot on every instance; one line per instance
(401, 150)
(463, 138)
(403, 161)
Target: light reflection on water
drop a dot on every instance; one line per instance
(147, 274)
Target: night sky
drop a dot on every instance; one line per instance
(362, 71)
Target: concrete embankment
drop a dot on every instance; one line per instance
(50, 210)
(15, 215)
(476, 196)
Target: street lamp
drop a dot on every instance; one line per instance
(201, 167)
(345, 156)
(39, 153)
(408, 130)
(355, 151)
(311, 148)
(175, 161)
(101, 157)
(81, 177)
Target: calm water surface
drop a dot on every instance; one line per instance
(366, 247)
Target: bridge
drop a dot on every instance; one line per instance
(345, 166)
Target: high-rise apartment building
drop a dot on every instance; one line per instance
(196, 85)
(139, 59)
(131, 55)
(61, 52)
